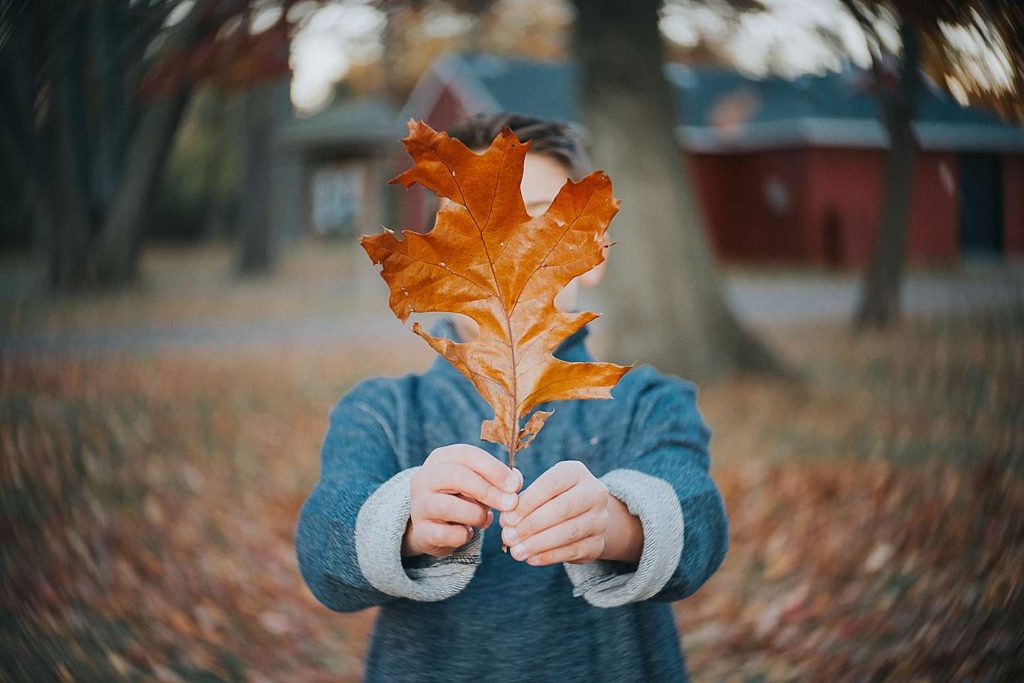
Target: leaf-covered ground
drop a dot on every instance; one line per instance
(876, 509)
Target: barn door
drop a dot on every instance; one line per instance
(981, 205)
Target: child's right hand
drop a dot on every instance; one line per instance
(453, 492)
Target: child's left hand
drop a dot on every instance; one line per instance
(562, 517)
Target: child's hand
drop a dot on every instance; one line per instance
(562, 517)
(452, 492)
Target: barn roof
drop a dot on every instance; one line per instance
(720, 109)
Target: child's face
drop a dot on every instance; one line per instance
(543, 177)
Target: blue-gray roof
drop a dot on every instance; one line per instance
(347, 123)
(831, 109)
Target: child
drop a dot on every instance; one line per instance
(611, 514)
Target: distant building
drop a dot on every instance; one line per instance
(345, 154)
(788, 171)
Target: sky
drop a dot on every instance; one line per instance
(328, 43)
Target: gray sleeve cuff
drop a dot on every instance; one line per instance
(656, 503)
(380, 527)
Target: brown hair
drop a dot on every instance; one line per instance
(547, 136)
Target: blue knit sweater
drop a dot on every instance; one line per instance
(478, 614)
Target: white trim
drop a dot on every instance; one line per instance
(974, 137)
(859, 133)
(445, 73)
(472, 92)
(428, 88)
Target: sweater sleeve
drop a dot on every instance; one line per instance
(662, 477)
(349, 533)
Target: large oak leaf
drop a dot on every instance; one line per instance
(486, 258)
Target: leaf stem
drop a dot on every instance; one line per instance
(511, 464)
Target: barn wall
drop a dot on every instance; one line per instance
(755, 204)
(709, 173)
(934, 211)
(447, 111)
(844, 202)
(822, 206)
(845, 207)
(1013, 204)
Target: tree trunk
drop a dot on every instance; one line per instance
(71, 219)
(880, 293)
(84, 255)
(666, 302)
(116, 256)
(257, 254)
(214, 202)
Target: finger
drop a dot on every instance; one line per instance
(565, 533)
(481, 462)
(444, 507)
(587, 550)
(457, 478)
(554, 481)
(441, 539)
(562, 507)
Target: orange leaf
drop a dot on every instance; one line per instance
(486, 258)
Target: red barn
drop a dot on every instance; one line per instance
(788, 171)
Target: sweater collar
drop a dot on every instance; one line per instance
(573, 348)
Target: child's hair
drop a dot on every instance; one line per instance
(554, 138)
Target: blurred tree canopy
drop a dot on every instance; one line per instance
(91, 97)
(972, 48)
